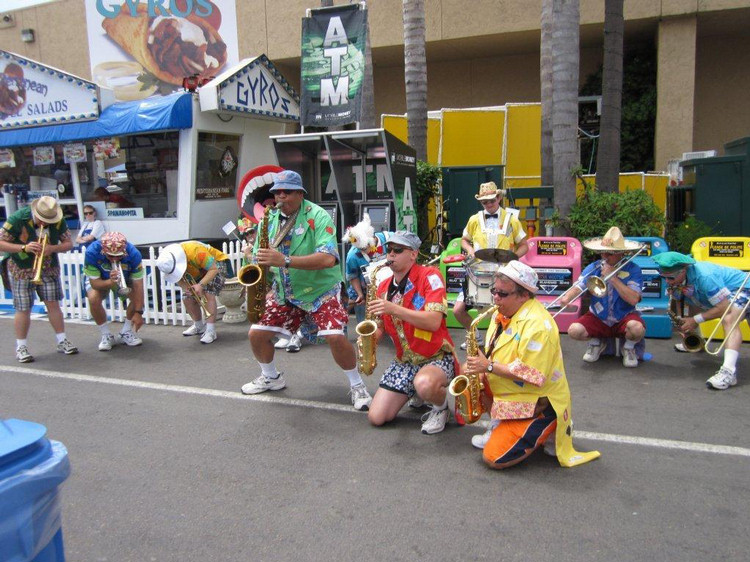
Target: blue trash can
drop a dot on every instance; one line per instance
(32, 468)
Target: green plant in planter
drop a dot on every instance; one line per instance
(680, 237)
(429, 179)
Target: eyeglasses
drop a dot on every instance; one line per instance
(394, 250)
(284, 191)
(499, 293)
(88, 212)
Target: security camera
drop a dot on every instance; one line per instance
(7, 18)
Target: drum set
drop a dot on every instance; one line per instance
(480, 271)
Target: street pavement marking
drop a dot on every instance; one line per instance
(236, 395)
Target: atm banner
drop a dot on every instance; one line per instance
(333, 66)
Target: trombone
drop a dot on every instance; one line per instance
(595, 285)
(736, 323)
(201, 300)
(39, 258)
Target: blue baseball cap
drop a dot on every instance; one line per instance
(287, 179)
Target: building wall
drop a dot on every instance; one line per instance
(483, 52)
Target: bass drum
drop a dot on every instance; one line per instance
(479, 282)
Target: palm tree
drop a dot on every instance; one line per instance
(415, 73)
(608, 158)
(545, 80)
(565, 40)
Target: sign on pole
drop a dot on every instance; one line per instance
(333, 65)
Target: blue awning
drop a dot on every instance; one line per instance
(171, 112)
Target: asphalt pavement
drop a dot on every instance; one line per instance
(171, 462)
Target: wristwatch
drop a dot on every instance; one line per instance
(138, 312)
(490, 367)
(287, 262)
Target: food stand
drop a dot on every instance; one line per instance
(160, 169)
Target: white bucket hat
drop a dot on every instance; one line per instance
(172, 262)
(522, 274)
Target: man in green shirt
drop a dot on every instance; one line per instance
(302, 256)
(38, 229)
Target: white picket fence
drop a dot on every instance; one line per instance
(162, 301)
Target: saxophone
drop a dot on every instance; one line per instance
(255, 277)
(466, 389)
(692, 341)
(366, 343)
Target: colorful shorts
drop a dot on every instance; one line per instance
(598, 329)
(24, 291)
(331, 317)
(399, 377)
(515, 439)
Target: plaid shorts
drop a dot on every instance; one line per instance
(399, 377)
(24, 291)
(217, 283)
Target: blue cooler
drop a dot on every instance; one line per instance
(31, 471)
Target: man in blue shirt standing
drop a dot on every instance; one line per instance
(612, 315)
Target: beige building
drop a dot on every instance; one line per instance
(486, 52)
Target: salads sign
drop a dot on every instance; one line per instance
(33, 94)
(142, 48)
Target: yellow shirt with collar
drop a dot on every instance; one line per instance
(475, 231)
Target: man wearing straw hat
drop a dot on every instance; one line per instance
(527, 393)
(711, 288)
(20, 238)
(612, 315)
(492, 227)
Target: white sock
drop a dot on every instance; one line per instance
(444, 405)
(127, 326)
(60, 337)
(19, 343)
(104, 329)
(629, 344)
(211, 327)
(730, 359)
(354, 377)
(199, 324)
(595, 341)
(269, 370)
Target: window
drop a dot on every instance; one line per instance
(216, 166)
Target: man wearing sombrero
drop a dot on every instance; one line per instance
(709, 287)
(20, 238)
(613, 315)
(492, 227)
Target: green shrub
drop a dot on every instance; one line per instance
(680, 237)
(429, 180)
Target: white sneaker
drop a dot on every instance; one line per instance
(209, 336)
(194, 330)
(263, 383)
(479, 441)
(361, 399)
(282, 342)
(593, 352)
(108, 340)
(416, 402)
(629, 358)
(129, 338)
(23, 355)
(723, 379)
(680, 348)
(67, 348)
(434, 421)
(295, 344)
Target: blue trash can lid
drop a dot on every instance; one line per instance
(17, 436)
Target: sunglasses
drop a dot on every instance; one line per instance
(284, 191)
(499, 293)
(394, 250)
(88, 212)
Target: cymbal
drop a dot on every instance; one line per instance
(496, 255)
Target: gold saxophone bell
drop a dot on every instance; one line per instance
(467, 388)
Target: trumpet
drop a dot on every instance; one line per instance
(201, 300)
(123, 289)
(736, 323)
(39, 258)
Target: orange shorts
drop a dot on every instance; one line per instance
(513, 440)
